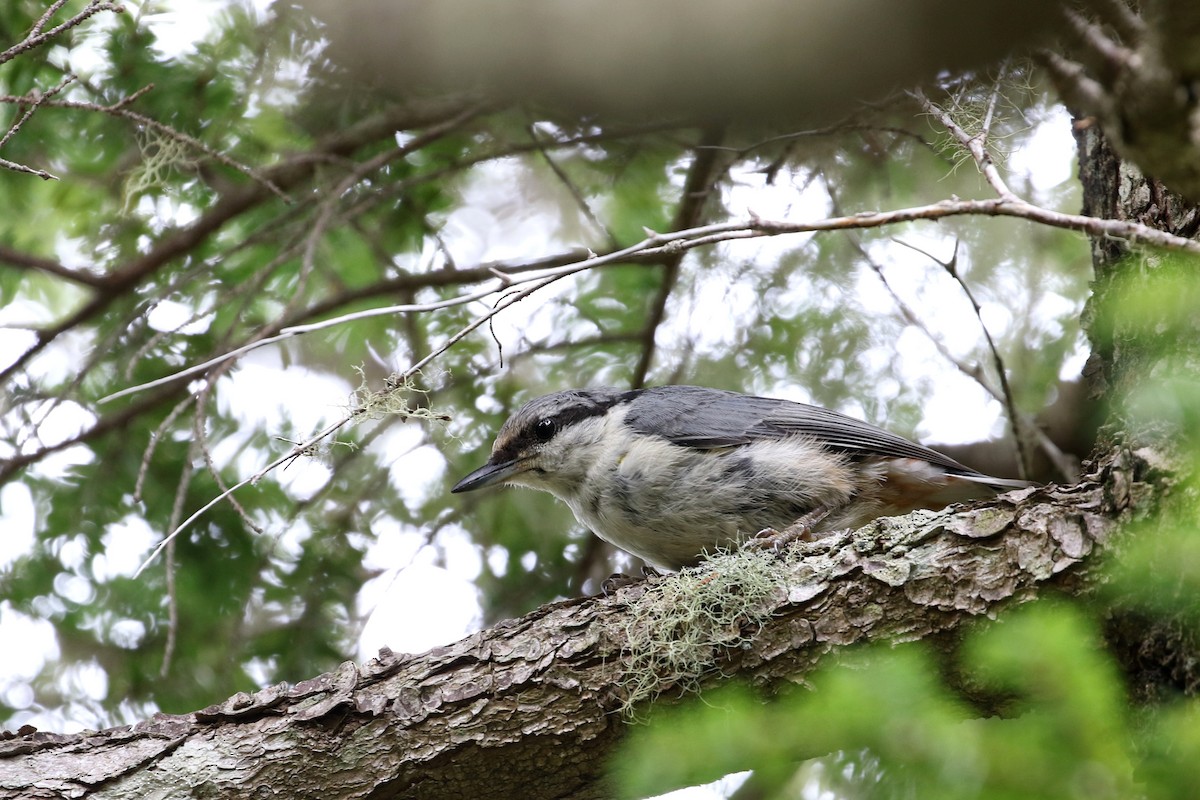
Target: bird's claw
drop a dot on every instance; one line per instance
(799, 531)
(769, 538)
(619, 580)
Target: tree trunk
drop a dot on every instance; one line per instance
(1145, 334)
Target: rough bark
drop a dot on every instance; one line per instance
(1145, 335)
(533, 706)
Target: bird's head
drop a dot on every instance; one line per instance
(549, 442)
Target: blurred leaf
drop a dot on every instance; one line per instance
(891, 707)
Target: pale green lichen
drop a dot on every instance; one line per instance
(160, 156)
(392, 400)
(677, 630)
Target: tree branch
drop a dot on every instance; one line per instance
(21, 260)
(534, 704)
(229, 206)
(37, 36)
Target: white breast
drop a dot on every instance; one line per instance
(669, 504)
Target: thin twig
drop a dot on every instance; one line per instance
(306, 446)
(201, 443)
(15, 167)
(297, 330)
(152, 445)
(1066, 467)
(571, 188)
(368, 167)
(38, 37)
(701, 177)
(44, 20)
(36, 99)
(657, 245)
(975, 144)
(185, 479)
(1010, 404)
(119, 109)
(985, 129)
(297, 451)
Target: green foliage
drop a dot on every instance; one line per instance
(1160, 570)
(1064, 733)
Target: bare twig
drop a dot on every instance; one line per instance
(701, 174)
(119, 109)
(201, 443)
(656, 245)
(306, 446)
(361, 171)
(976, 144)
(985, 129)
(37, 36)
(1010, 405)
(172, 614)
(570, 186)
(1063, 463)
(297, 330)
(44, 20)
(15, 167)
(152, 445)
(35, 99)
(1066, 467)
(185, 479)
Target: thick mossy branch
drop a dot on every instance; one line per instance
(536, 704)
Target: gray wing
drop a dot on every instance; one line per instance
(694, 416)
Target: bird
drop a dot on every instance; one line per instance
(671, 474)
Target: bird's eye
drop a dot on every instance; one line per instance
(545, 429)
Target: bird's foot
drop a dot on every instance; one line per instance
(771, 539)
(799, 531)
(619, 580)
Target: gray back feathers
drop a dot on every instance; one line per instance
(695, 416)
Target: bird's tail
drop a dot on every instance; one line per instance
(999, 484)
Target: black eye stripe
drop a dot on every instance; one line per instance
(540, 420)
(587, 407)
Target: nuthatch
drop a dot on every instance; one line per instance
(673, 472)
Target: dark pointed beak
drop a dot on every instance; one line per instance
(488, 475)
